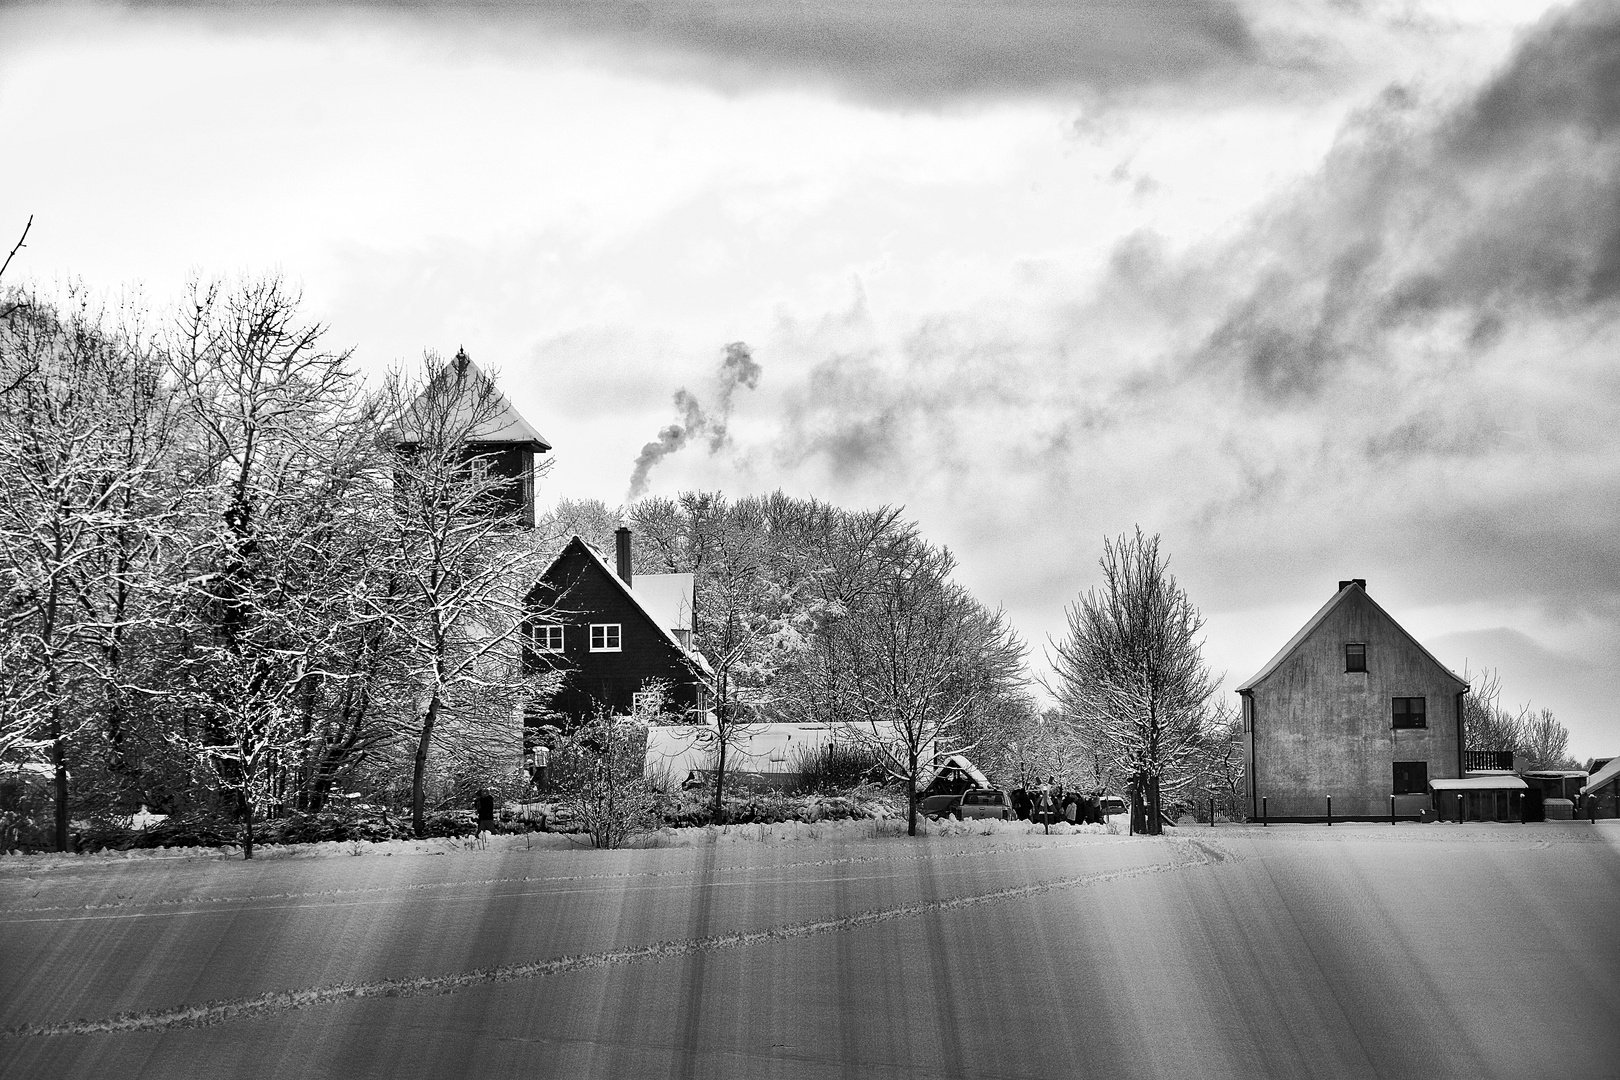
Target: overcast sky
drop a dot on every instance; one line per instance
(1316, 289)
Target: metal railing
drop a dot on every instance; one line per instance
(1487, 759)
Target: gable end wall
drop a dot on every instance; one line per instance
(1317, 730)
(578, 587)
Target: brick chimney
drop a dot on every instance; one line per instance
(621, 549)
(1343, 585)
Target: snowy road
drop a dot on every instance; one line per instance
(1290, 952)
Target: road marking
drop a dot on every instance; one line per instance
(281, 1001)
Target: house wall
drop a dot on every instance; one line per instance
(577, 593)
(1316, 730)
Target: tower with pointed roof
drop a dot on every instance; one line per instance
(500, 442)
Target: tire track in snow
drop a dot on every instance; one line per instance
(130, 903)
(1190, 854)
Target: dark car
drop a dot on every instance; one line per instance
(936, 805)
(984, 803)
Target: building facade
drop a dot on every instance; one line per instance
(611, 641)
(1354, 709)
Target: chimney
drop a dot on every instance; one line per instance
(1343, 585)
(621, 547)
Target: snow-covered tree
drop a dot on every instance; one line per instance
(1130, 677)
(281, 566)
(459, 567)
(83, 440)
(913, 661)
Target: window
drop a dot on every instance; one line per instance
(1409, 712)
(1355, 657)
(1411, 777)
(647, 702)
(548, 637)
(605, 637)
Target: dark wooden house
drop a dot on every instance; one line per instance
(502, 445)
(1355, 709)
(612, 641)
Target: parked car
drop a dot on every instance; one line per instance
(984, 803)
(1111, 804)
(937, 805)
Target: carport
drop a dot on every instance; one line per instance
(1488, 797)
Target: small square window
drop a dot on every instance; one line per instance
(604, 637)
(548, 637)
(1411, 777)
(1355, 657)
(1409, 712)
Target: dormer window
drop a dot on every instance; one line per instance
(1355, 656)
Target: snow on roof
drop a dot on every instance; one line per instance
(1502, 782)
(1316, 620)
(655, 617)
(1603, 776)
(957, 761)
(506, 426)
(668, 594)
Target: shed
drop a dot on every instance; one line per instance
(1480, 797)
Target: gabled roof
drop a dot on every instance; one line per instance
(1602, 776)
(505, 426)
(1317, 620)
(653, 617)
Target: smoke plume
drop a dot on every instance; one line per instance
(738, 368)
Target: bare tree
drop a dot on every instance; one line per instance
(459, 567)
(914, 662)
(1545, 741)
(78, 464)
(1130, 676)
(283, 470)
(749, 605)
(10, 307)
(599, 767)
(1486, 725)
(1021, 743)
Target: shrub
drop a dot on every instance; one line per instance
(834, 767)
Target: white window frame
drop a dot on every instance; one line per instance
(547, 637)
(606, 633)
(646, 701)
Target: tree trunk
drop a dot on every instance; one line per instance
(911, 798)
(1139, 822)
(61, 780)
(247, 827)
(719, 817)
(419, 771)
(1155, 820)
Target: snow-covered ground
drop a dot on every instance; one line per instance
(686, 837)
(982, 949)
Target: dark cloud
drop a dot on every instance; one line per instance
(916, 50)
(1504, 208)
